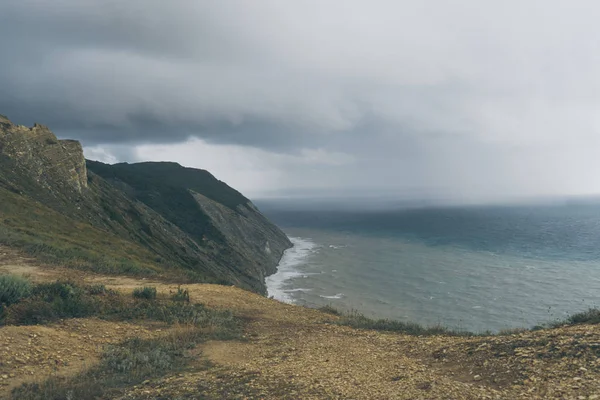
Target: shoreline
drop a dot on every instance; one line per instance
(287, 269)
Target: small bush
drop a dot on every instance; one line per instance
(138, 358)
(52, 301)
(330, 310)
(13, 289)
(126, 364)
(59, 289)
(98, 289)
(147, 292)
(181, 295)
(591, 316)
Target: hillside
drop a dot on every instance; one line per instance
(107, 291)
(148, 218)
(282, 352)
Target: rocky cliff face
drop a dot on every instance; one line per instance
(248, 233)
(225, 227)
(185, 217)
(54, 164)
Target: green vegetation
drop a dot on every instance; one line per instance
(13, 289)
(56, 239)
(165, 187)
(53, 238)
(101, 230)
(52, 301)
(132, 361)
(151, 176)
(181, 295)
(121, 366)
(329, 309)
(142, 219)
(357, 320)
(591, 316)
(147, 292)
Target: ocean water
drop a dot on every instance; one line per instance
(474, 268)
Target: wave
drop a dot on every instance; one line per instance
(337, 296)
(288, 269)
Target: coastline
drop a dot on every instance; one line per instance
(287, 269)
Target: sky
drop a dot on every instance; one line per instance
(466, 100)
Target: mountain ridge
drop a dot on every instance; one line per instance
(158, 208)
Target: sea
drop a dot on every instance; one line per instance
(476, 268)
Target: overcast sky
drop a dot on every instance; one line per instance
(467, 100)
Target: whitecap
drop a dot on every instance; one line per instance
(337, 296)
(297, 290)
(287, 268)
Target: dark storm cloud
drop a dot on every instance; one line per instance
(148, 71)
(484, 98)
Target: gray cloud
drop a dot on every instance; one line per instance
(477, 100)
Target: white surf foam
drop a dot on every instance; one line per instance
(337, 296)
(288, 269)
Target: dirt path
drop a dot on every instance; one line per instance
(290, 352)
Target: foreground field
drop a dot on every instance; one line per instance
(290, 352)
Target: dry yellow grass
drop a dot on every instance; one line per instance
(290, 352)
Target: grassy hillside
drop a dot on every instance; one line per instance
(145, 175)
(55, 238)
(128, 218)
(165, 187)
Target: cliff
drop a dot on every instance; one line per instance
(55, 165)
(147, 218)
(223, 222)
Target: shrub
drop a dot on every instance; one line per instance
(128, 363)
(591, 316)
(330, 310)
(13, 289)
(98, 289)
(51, 301)
(30, 312)
(59, 289)
(359, 321)
(147, 292)
(181, 295)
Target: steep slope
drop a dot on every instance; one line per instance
(145, 208)
(210, 212)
